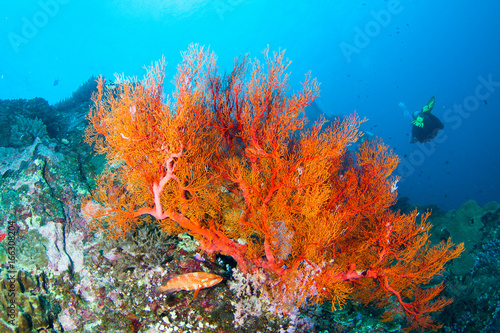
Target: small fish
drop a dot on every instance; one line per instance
(2, 237)
(56, 82)
(190, 281)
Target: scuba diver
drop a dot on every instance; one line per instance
(425, 125)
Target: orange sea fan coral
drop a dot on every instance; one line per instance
(227, 159)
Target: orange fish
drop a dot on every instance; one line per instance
(190, 281)
(2, 237)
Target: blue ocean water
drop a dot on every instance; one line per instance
(369, 56)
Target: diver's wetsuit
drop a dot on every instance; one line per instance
(429, 131)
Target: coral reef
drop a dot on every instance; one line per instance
(36, 308)
(81, 96)
(227, 161)
(23, 120)
(69, 280)
(41, 189)
(24, 131)
(464, 225)
(473, 279)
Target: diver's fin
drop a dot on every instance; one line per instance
(430, 105)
